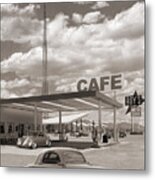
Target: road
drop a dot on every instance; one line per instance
(127, 154)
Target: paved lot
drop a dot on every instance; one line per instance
(127, 154)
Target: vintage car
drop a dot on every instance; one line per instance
(62, 158)
(34, 140)
(54, 137)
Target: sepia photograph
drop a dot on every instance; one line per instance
(72, 92)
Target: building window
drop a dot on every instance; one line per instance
(10, 129)
(16, 128)
(2, 129)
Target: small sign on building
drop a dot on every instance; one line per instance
(136, 111)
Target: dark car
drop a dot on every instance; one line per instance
(62, 158)
(34, 140)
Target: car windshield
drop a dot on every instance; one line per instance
(71, 157)
(51, 158)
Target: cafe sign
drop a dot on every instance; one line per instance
(103, 83)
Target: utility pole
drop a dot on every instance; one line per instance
(44, 62)
(44, 57)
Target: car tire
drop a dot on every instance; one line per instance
(34, 146)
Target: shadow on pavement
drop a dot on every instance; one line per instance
(72, 144)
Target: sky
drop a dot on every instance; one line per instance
(85, 39)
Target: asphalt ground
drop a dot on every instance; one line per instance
(127, 154)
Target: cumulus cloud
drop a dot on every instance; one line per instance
(74, 51)
(13, 10)
(7, 94)
(77, 18)
(24, 63)
(16, 83)
(89, 18)
(127, 24)
(93, 17)
(100, 5)
(83, 2)
(19, 87)
(19, 24)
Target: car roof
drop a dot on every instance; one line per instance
(60, 149)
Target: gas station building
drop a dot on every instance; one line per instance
(28, 111)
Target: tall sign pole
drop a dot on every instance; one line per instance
(133, 102)
(114, 125)
(44, 62)
(132, 121)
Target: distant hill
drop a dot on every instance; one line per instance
(126, 126)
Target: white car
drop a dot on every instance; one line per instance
(34, 140)
(62, 158)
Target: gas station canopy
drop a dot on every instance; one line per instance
(74, 101)
(66, 119)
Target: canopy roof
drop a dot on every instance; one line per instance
(88, 100)
(66, 119)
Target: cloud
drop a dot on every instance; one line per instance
(19, 24)
(7, 94)
(93, 17)
(56, 27)
(19, 87)
(83, 2)
(100, 5)
(77, 18)
(89, 18)
(135, 82)
(13, 10)
(87, 50)
(16, 83)
(127, 24)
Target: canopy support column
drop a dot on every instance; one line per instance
(114, 123)
(60, 126)
(35, 117)
(100, 120)
(115, 129)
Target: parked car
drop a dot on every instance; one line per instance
(34, 140)
(55, 137)
(62, 158)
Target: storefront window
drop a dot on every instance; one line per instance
(10, 129)
(16, 129)
(2, 129)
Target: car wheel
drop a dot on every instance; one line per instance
(34, 146)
